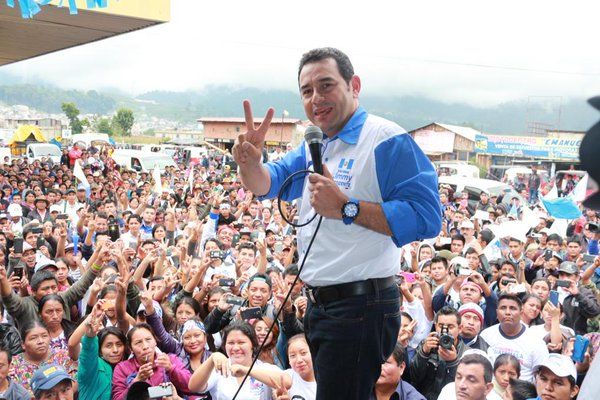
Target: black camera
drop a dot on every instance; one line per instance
(445, 339)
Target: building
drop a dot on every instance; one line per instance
(51, 128)
(184, 135)
(222, 132)
(444, 142)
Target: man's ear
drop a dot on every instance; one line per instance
(574, 391)
(355, 86)
(488, 388)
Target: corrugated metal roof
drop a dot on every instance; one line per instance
(234, 120)
(463, 131)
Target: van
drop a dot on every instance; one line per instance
(142, 161)
(456, 169)
(91, 139)
(37, 151)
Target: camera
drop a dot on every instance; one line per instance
(216, 254)
(445, 339)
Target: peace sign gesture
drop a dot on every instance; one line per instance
(248, 147)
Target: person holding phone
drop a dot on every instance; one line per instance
(579, 303)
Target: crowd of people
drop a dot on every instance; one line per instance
(114, 290)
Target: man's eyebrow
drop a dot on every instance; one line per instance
(322, 80)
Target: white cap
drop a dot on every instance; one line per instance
(545, 230)
(467, 224)
(463, 262)
(15, 210)
(27, 246)
(560, 365)
(43, 263)
(55, 208)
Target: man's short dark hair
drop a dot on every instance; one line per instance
(247, 246)
(488, 372)
(315, 55)
(574, 239)
(446, 310)
(399, 354)
(458, 236)
(41, 276)
(291, 269)
(555, 237)
(487, 236)
(136, 217)
(521, 390)
(438, 259)
(511, 297)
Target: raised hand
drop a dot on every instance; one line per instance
(248, 147)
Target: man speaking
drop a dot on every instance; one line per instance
(378, 192)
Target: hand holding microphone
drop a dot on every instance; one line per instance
(325, 196)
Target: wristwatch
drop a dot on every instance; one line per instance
(350, 211)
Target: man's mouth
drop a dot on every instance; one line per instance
(322, 111)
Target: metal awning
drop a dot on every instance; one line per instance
(55, 29)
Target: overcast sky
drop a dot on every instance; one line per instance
(480, 52)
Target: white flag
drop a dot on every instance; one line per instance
(580, 190)
(157, 182)
(78, 173)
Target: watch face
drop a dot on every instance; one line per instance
(351, 209)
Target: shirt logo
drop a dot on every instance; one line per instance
(343, 176)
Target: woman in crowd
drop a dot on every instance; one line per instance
(52, 311)
(302, 382)
(221, 375)
(541, 288)
(36, 353)
(506, 367)
(269, 352)
(101, 350)
(530, 313)
(191, 349)
(159, 232)
(148, 364)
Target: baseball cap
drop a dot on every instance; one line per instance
(467, 224)
(472, 308)
(27, 247)
(447, 254)
(44, 263)
(3, 216)
(568, 267)
(55, 208)
(15, 210)
(48, 376)
(557, 256)
(545, 231)
(560, 365)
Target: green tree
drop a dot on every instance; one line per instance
(123, 121)
(72, 112)
(103, 126)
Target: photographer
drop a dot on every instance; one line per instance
(579, 303)
(435, 362)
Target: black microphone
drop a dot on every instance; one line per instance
(314, 138)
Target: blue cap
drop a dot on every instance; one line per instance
(48, 376)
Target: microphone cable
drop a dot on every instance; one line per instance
(284, 186)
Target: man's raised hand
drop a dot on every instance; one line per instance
(248, 147)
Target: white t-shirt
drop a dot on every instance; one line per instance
(449, 393)
(529, 349)
(301, 390)
(222, 388)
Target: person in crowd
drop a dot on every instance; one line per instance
(437, 357)
(519, 389)
(506, 367)
(9, 389)
(511, 334)
(51, 382)
(579, 303)
(471, 324)
(556, 378)
(52, 313)
(532, 308)
(147, 364)
(390, 381)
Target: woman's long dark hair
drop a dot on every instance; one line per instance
(112, 330)
(246, 329)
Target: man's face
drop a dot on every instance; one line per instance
(46, 287)
(247, 221)
(4, 366)
(101, 224)
(328, 100)
(473, 260)
(568, 277)
(469, 294)
(550, 386)
(110, 209)
(157, 285)
(509, 314)
(470, 382)
(451, 322)
(148, 215)
(573, 249)
(391, 373)
(133, 225)
(456, 246)
(467, 232)
(258, 294)
(470, 325)
(553, 245)
(438, 271)
(508, 269)
(62, 391)
(515, 248)
(246, 257)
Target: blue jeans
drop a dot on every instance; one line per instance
(349, 340)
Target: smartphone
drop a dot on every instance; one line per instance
(409, 277)
(158, 392)
(547, 255)
(132, 244)
(590, 258)
(236, 301)
(18, 245)
(18, 270)
(227, 282)
(40, 242)
(62, 216)
(579, 348)
(554, 297)
(216, 254)
(563, 283)
(465, 272)
(251, 313)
